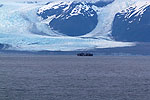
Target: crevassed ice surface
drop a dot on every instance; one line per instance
(21, 28)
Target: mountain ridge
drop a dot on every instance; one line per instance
(133, 24)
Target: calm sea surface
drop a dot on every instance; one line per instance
(37, 77)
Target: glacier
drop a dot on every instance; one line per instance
(22, 28)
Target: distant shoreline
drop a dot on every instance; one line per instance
(140, 49)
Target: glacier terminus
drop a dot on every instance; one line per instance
(67, 25)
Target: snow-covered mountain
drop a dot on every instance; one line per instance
(133, 23)
(70, 18)
(70, 24)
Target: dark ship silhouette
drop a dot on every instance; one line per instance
(84, 54)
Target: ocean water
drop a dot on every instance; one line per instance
(41, 77)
